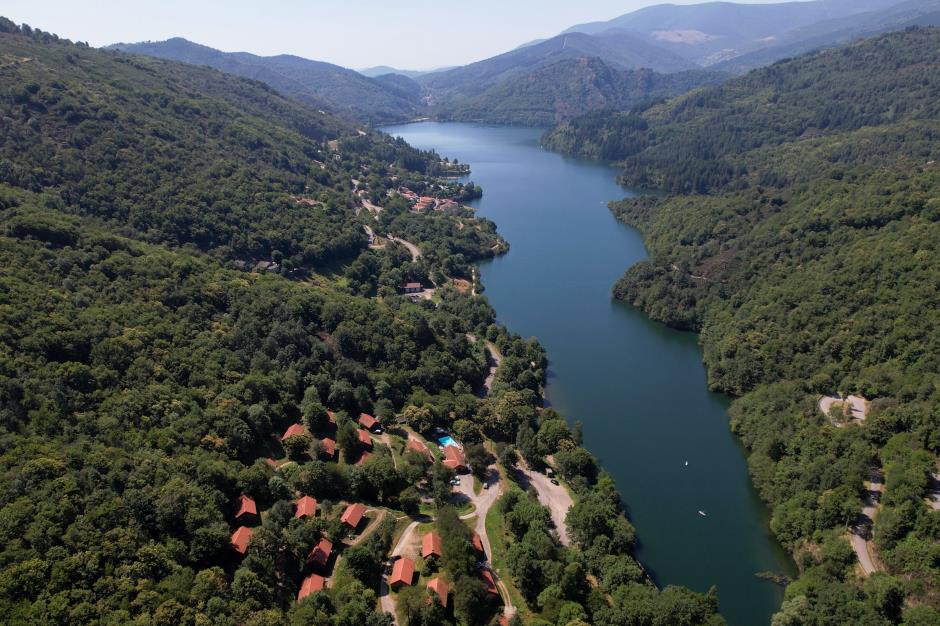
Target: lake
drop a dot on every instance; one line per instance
(638, 387)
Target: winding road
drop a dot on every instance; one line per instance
(413, 249)
(861, 531)
(495, 360)
(385, 598)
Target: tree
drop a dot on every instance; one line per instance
(314, 413)
(419, 418)
(479, 459)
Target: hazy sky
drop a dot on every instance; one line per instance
(408, 34)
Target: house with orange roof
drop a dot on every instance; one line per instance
(454, 459)
(403, 573)
(247, 510)
(370, 423)
(306, 507)
(295, 430)
(364, 438)
(477, 543)
(489, 582)
(240, 539)
(328, 447)
(416, 445)
(331, 417)
(431, 545)
(311, 584)
(365, 456)
(320, 554)
(441, 588)
(353, 514)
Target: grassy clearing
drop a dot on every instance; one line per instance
(499, 545)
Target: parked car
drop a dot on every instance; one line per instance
(554, 482)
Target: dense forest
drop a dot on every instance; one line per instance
(147, 373)
(798, 232)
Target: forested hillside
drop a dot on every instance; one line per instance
(342, 91)
(184, 277)
(552, 94)
(800, 236)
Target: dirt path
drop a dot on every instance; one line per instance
(495, 359)
(933, 496)
(858, 407)
(413, 249)
(372, 208)
(861, 531)
(555, 497)
(370, 528)
(405, 541)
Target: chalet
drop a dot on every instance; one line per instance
(306, 507)
(365, 456)
(320, 554)
(416, 445)
(328, 447)
(311, 584)
(441, 588)
(295, 430)
(240, 539)
(489, 582)
(353, 514)
(364, 438)
(331, 417)
(247, 510)
(431, 546)
(272, 464)
(269, 267)
(412, 288)
(454, 459)
(370, 423)
(403, 573)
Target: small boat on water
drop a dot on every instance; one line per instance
(686, 463)
(702, 513)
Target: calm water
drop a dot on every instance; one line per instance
(638, 387)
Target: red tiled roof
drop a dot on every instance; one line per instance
(412, 286)
(364, 438)
(272, 464)
(306, 507)
(363, 458)
(477, 542)
(353, 515)
(294, 430)
(441, 588)
(328, 446)
(321, 552)
(431, 545)
(331, 416)
(367, 421)
(402, 572)
(453, 457)
(419, 447)
(240, 539)
(489, 582)
(312, 584)
(246, 506)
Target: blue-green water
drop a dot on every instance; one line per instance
(638, 387)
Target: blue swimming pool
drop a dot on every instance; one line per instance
(447, 441)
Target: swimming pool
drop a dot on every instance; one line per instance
(447, 441)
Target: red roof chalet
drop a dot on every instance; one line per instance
(403, 572)
(320, 553)
(369, 423)
(312, 584)
(294, 431)
(454, 459)
(431, 545)
(418, 446)
(489, 582)
(331, 416)
(365, 456)
(477, 543)
(246, 507)
(364, 438)
(240, 539)
(441, 588)
(352, 516)
(328, 447)
(306, 507)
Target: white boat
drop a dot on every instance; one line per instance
(702, 513)
(686, 463)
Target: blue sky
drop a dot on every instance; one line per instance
(408, 34)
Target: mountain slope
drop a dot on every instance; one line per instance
(800, 234)
(618, 50)
(567, 89)
(339, 90)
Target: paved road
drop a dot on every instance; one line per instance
(385, 598)
(413, 249)
(858, 406)
(861, 532)
(555, 497)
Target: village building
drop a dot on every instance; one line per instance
(328, 447)
(364, 438)
(320, 554)
(365, 456)
(353, 514)
(489, 582)
(441, 588)
(247, 510)
(370, 423)
(477, 544)
(412, 288)
(306, 507)
(240, 539)
(295, 430)
(431, 546)
(403, 573)
(416, 445)
(311, 584)
(454, 459)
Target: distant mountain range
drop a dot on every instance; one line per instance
(337, 89)
(586, 68)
